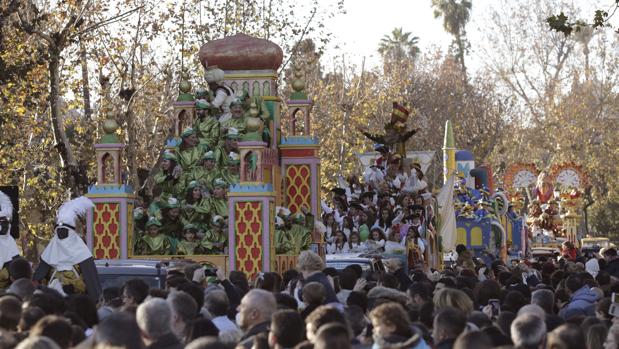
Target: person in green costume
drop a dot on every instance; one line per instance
(195, 207)
(189, 245)
(209, 172)
(230, 144)
(206, 125)
(153, 242)
(189, 152)
(215, 238)
(283, 240)
(139, 221)
(172, 224)
(168, 178)
(231, 173)
(237, 121)
(300, 234)
(218, 200)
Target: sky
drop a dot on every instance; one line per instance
(356, 33)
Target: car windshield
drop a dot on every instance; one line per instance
(117, 280)
(340, 265)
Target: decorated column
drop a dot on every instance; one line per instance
(110, 223)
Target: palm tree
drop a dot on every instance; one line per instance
(399, 45)
(456, 14)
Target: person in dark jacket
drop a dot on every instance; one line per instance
(392, 328)
(582, 299)
(311, 266)
(612, 262)
(154, 318)
(448, 324)
(255, 312)
(395, 266)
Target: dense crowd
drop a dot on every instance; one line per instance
(531, 304)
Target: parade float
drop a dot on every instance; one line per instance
(270, 168)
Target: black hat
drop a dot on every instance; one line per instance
(339, 191)
(369, 194)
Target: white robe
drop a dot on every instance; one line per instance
(8, 248)
(63, 254)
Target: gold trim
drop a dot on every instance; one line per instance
(254, 193)
(246, 76)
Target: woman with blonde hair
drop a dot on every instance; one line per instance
(451, 297)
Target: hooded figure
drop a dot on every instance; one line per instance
(8, 247)
(67, 257)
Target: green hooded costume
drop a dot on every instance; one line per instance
(148, 245)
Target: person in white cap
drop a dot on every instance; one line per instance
(8, 247)
(224, 95)
(66, 262)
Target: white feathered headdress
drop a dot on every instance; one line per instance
(6, 207)
(70, 210)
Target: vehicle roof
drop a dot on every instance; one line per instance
(595, 239)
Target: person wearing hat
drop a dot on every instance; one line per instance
(172, 226)
(206, 172)
(230, 144)
(153, 242)
(8, 247)
(67, 263)
(168, 177)
(385, 155)
(195, 207)
(283, 240)
(231, 172)
(218, 201)
(237, 119)
(139, 220)
(190, 244)
(189, 152)
(224, 95)
(206, 125)
(215, 237)
(300, 234)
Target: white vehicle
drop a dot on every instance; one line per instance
(367, 262)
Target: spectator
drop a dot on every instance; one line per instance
(313, 297)
(287, 329)
(85, 308)
(23, 288)
(332, 336)
(29, 317)
(321, 316)
(473, 339)
(184, 311)
(567, 336)
(203, 328)
(134, 292)
(595, 336)
(449, 323)
(356, 320)
(255, 312)
(37, 342)
(110, 302)
(418, 293)
(154, 318)
(217, 304)
(395, 266)
(20, 268)
(10, 313)
(582, 299)
(528, 332)
(392, 328)
(348, 279)
(207, 343)
(311, 266)
(612, 262)
(118, 330)
(450, 297)
(545, 299)
(56, 328)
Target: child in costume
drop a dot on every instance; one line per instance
(206, 125)
(153, 242)
(195, 206)
(189, 152)
(283, 241)
(8, 247)
(190, 245)
(230, 144)
(339, 245)
(168, 178)
(231, 173)
(301, 234)
(218, 201)
(172, 226)
(67, 263)
(215, 238)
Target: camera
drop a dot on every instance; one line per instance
(210, 272)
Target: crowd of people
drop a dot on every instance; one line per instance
(543, 303)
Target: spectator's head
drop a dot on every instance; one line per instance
(332, 336)
(134, 292)
(23, 288)
(419, 293)
(256, 307)
(449, 322)
(239, 279)
(202, 328)
(355, 268)
(29, 317)
(37, 342)
(20, 268)
(566, 336)
(10, 312)
(545, 299)
(596, 335)
(601, 310)
(473, 339)
(194, 291)
(85, 308)
(184, 311)
(309, 262)
(486, 290)
(56, 328)
(390, 319)
(532, 309)
(49, 300)
(359, 299)
(314, 293)
(504, 322)
(217, 302)
(207, 343)
(528, 332)
(287, 329)
(118, 330)
(321, 316)
(479, 319)
(573, 283)
(355, 317)
(348, 278)
(286, 301)
(451, 297)
(154, 318)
